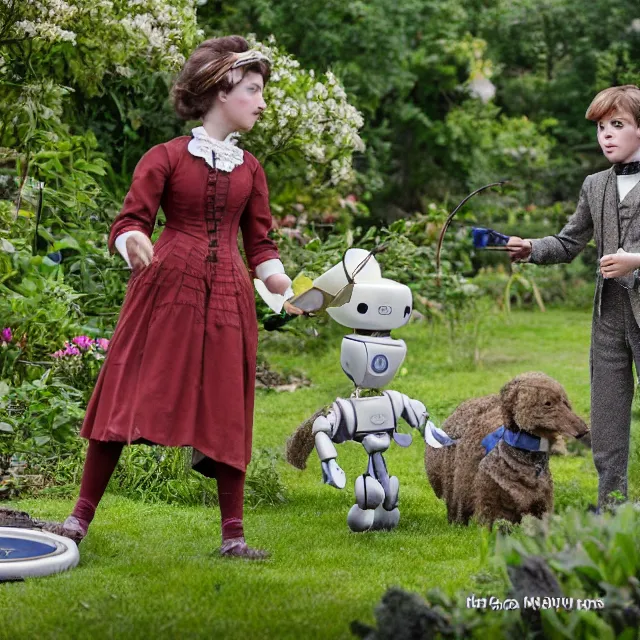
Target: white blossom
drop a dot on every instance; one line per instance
(482, 88)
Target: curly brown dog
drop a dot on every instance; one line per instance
(512, 479)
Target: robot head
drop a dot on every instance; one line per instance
(376, 306)
(355, 295)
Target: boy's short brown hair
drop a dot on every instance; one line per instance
(623, 98)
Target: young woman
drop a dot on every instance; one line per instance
(180, 370)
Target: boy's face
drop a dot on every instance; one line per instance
(619, 137)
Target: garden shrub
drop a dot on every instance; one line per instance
(575, 575)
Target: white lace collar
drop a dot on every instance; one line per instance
(225, 153)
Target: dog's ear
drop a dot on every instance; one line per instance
(508, 397)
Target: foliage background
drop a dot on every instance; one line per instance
(382, 117)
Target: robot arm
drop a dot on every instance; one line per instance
(324, 427)
(413, 411)
(416, 414)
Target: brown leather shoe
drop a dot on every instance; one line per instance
(238, 548)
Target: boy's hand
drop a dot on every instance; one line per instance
(518, 248)
(615, 265)
(139, 250)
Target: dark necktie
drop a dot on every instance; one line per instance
(627, 169)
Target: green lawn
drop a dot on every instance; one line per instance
(151, 570)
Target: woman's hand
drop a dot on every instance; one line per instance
(615, 265)
(139, 250)
(278, 283)
(518, 248)
(291, 310)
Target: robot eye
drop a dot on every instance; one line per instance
(407, 311)
(363, 308)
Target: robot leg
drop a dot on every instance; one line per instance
(387, 515)
(391, 485)
(369, 496)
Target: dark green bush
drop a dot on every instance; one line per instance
(575, 575)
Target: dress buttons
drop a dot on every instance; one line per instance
(212, 257)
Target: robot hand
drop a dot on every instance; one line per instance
(332, 474)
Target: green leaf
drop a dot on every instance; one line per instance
(60, 421)
(83, 165)
(40, 440)
(28, 285)
(43, 232)
(66, 243)
(6, 246)
(6, 427)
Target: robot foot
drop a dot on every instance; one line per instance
(360, 519)
(383, 519)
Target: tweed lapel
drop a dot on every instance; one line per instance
(609, 215)
(631, 200)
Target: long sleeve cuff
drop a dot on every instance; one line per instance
(121, 244)
(529, 257)
(269, 268)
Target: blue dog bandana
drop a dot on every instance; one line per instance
(519, 440)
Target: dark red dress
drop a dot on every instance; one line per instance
(180, 369)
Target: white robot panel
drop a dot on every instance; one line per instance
(335, 279)
(371, 362)
(377, 306)
(373, 415)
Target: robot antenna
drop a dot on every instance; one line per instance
(351, 278)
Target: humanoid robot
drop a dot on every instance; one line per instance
(355, 295)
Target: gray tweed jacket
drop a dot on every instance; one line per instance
(597, 217)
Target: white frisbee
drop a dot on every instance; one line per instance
(29, 553)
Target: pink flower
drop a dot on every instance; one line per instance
(6, 334)
(84, 342)
(102, 343)
(58, 354)
(70, 350)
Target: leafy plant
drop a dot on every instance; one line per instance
(573, 576)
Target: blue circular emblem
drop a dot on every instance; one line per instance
(379, 363)
(12, 548)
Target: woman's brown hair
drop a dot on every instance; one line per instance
(192, 93)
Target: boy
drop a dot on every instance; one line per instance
(607, 210)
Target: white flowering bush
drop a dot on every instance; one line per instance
(57, 52)
(98, 36)
(308, 116)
